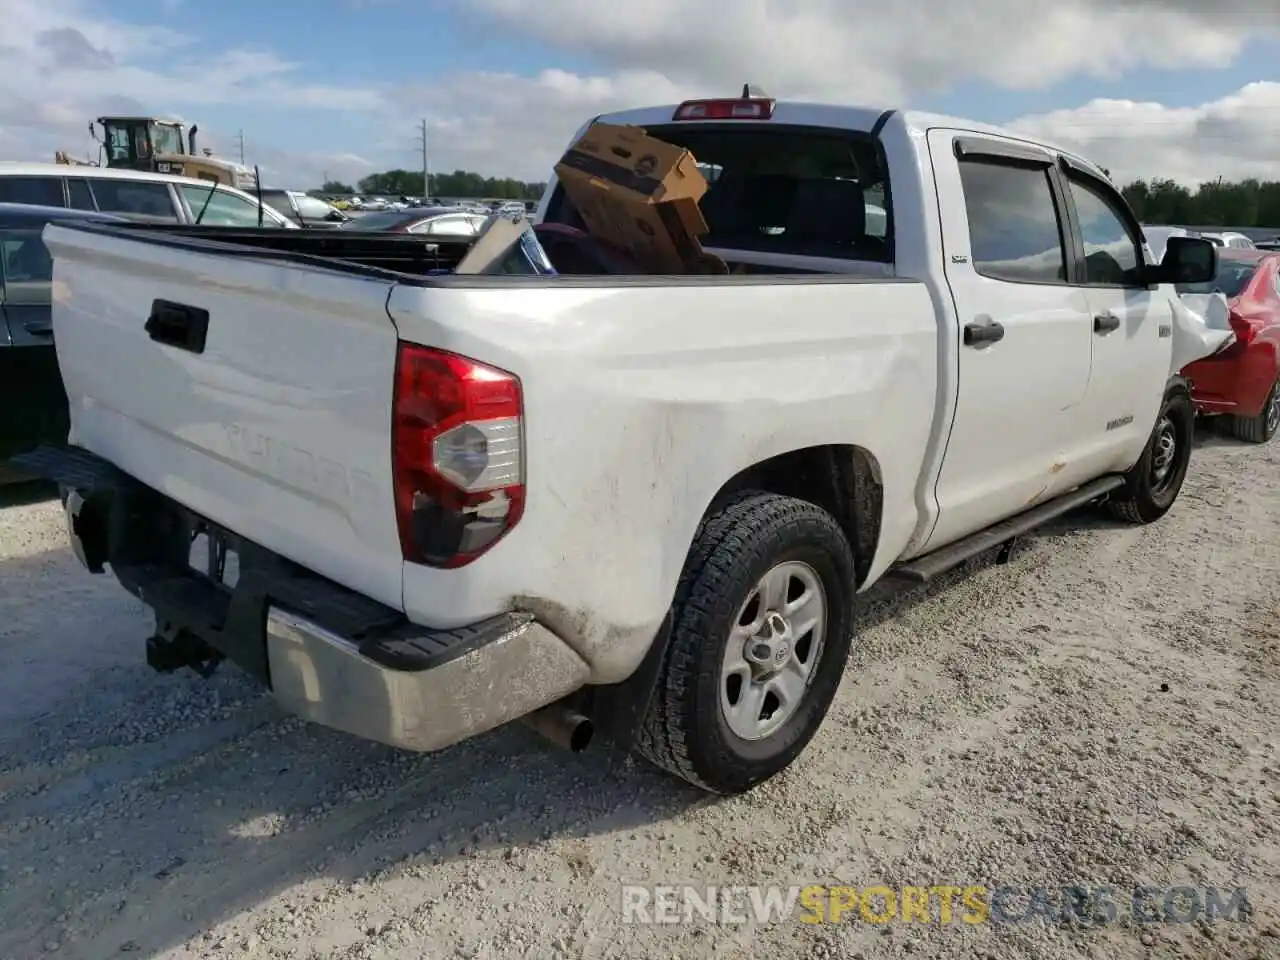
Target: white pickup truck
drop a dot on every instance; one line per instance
(642, 504)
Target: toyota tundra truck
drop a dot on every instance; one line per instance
(417, 504)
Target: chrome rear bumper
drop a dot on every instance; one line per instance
(322, 677)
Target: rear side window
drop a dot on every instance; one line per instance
(277, 200)
(135, 198)
(81, 195)
(1014, 230)
(44, 191)
(26, 267)
(786, 189)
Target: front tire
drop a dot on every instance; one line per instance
(761, 631)
(1263, 427)
(1156, 479)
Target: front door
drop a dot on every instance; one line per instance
(1132, 335)
(1025, 335)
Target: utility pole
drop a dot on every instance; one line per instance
(240, 146)
(426, 166)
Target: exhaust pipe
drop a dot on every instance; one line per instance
(564, 727)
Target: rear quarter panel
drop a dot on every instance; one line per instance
(642, 400)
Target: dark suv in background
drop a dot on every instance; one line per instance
(33, 405)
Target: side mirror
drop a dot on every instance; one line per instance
(1186, 260)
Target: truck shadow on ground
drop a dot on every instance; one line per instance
(138, 810)
(20, 493)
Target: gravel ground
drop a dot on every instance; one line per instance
(1098, 711)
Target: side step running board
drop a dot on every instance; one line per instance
(923, 569)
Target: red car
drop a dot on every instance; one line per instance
(1243, 380)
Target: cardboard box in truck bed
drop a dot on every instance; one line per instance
(640, 195)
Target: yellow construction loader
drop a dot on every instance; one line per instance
(164, 146)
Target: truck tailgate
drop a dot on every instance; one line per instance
(277, 426)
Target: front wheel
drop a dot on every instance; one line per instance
(761, 631)
(1153, 484)
(1263, 427)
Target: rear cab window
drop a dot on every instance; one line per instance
(789, 189)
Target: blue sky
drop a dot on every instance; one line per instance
(339, 86)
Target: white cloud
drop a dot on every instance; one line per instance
(63, 62)
(871, 51)
(1235, 137)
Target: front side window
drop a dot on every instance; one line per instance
(224, 209)
(1014, 228)
(135, 198)
(1112, 254)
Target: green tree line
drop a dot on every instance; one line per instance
(460, 183)
(1217, 203)
(1240, 203)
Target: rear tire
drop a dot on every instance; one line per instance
(759, 565)
(1261, 428)
(1153, 484)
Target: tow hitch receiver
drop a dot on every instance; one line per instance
(173, 648)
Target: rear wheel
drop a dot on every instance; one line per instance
(1153, 484)
(761, 632)
(1263, 427)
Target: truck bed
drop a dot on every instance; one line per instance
(384, 253)
(392, 256)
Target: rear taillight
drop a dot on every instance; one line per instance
(457, 455)
(746, 109)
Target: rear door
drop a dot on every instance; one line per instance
(275, 422)
(1025, 330)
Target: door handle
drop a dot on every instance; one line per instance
(178, 325)
(1105, 323)
(38, 328)
(979, 333)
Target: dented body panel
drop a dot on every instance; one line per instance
(638, 412)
